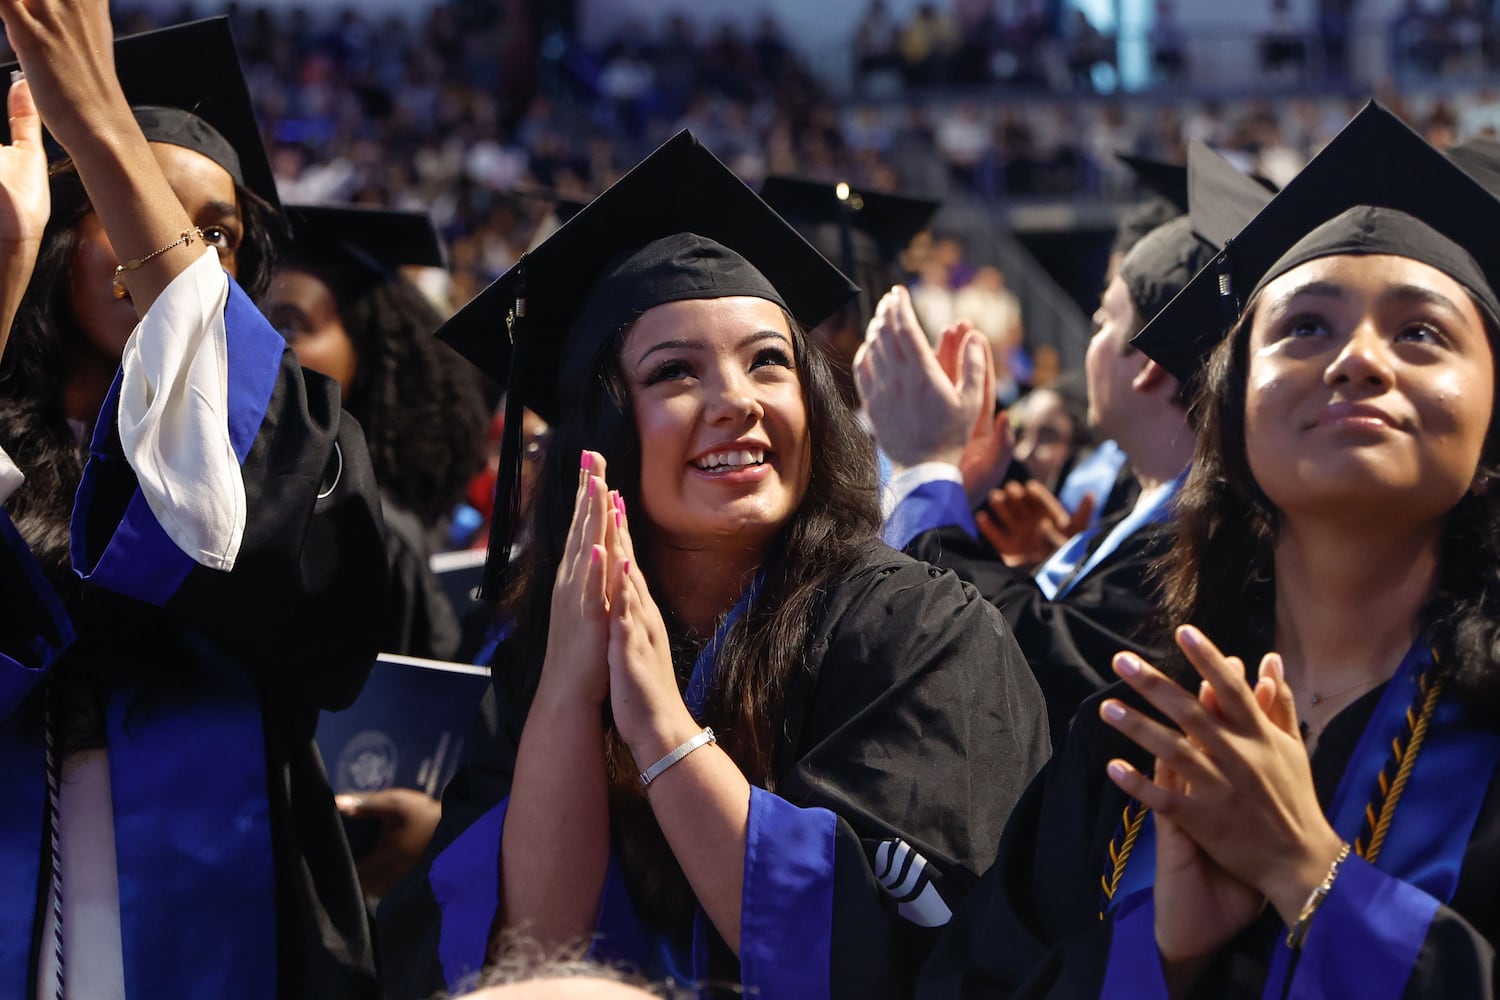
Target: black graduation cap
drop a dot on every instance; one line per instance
(680, 188)
(890, 220)
(680, 225)
(186, 87)
(1221, 201)
(1375, 161)
(378, 240)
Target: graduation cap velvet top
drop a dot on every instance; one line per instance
(185, 85)
(678, 226)
(1220, 199)
(360, 246)
(1377, 188)
(889, 220)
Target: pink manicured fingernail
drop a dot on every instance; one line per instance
(585, 460)
(625, 567)
(622, 504)
(617, 518)
(1189, 636)
(1113, 711)
(596, 554)
(1117, 771)
(1126, 665)
(591, 485)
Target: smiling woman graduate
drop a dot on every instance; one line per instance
(734, 738)
(1325, 826)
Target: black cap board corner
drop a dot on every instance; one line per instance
(381, 240)
(1376, 160)
(891, 220)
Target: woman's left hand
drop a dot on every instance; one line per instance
(1247, 797)
(648, 708)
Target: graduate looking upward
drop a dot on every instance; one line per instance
(166, 827)
(1300, 801)
(705, 563)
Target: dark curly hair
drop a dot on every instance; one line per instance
(1220, 574)
(34, 428)
(421, 406)
(838, 518)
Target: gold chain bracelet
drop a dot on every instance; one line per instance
(117, 283)
(1298, 931)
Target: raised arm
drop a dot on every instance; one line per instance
(67, 54)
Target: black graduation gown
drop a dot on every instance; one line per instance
(283, 635)
(1069, 642)
(1031, 927)
(916, 719)
(420, 620)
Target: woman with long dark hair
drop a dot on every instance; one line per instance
(1324, 824)
(733, 739)
(167, 828)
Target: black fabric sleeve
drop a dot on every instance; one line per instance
(924, 726)
(310, 580)
(1068, 642)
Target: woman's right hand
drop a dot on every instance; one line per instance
(576, 667)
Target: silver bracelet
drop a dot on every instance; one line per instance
(653, 772)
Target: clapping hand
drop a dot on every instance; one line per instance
(1233, 781)
(920, 412)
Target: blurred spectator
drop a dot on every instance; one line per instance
(1051, 430)
(1334, 20)
(996, 311)
(877, 47)
(1283, 49)
(964, 138)
(929, 44)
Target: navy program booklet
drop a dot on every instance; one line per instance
(406, 729)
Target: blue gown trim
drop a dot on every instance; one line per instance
(140, 560)
(23, 759)
(786, 906)
(465, 882)
(1389, 905)
(934, 504)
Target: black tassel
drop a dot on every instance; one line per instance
(506, 519)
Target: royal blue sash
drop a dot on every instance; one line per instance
(193, 836)
(1434, 820)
